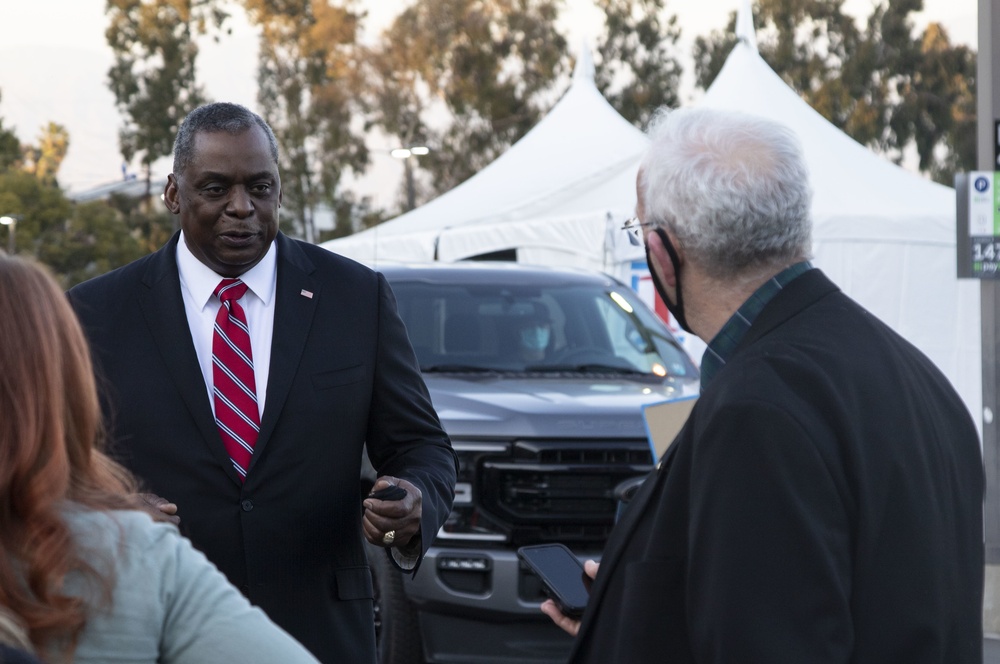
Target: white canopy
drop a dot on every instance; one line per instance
(885, 235)
(548, 196)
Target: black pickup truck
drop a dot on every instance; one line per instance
(539, 376)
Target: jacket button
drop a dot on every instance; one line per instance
(247, 505)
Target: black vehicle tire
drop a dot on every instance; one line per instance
(397, 630)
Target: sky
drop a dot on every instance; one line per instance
(54, 61)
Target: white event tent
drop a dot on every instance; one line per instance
(558, 196)
(548, 196)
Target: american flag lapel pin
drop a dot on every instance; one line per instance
(306, 293)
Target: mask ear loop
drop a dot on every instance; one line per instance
(676, 309)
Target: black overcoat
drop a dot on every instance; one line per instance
(822, 504)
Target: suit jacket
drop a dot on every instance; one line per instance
(823, 503)
(342, 375)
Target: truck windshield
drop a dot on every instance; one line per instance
(546, 329)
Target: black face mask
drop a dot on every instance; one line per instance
(676, 310)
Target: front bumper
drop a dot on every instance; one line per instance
(480, 606)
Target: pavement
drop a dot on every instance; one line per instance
(991, 650)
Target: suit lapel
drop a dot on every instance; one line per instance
(163, 309)
(296, 297)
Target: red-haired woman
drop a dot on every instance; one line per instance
(91, 575)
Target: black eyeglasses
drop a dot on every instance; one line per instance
(634, 229)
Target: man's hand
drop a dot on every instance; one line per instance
(161, 505)
(549, 608)
(399, 518)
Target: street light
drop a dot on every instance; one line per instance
(405, 154)
(11, 221)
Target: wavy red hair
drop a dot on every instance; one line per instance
(50, 453)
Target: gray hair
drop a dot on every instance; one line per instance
(733, 188)
(220, 116)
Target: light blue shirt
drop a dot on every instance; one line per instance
(169, 604)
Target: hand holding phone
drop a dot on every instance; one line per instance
(391, 492)
(562, 575)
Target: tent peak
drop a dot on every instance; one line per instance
(744, 26)
(584, 70)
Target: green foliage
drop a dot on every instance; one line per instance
(638, 71)
(938, 107)
(811, 44)
(881, 85)
(151, 228)
(153, 76)
(94, 240)
(43, 160)
(489, 65)
(307, 81)
(10, 149)
(41, 208)
(77, 241)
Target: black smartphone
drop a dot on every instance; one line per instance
(562, 575)
(391, 492)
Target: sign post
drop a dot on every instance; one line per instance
(984, 246)
(978, 206)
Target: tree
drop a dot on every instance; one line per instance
(812, 44)
(43, 160)
(487, 66)
(306, 77)
(350, 215)
(937, 109)
(76, 241)
(881, 85)
(958, 138)
(637, 70)
(10, 149)
(151, 228)
(93, 240)
(42, 209)
(153, 76)
(397, 104)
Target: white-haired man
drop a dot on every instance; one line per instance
(823, 503)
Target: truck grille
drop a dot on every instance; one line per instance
(560, 491)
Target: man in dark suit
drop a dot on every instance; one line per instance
(326, 368)
(823, 502)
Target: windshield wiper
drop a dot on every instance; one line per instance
(458, 368)
(590, 367)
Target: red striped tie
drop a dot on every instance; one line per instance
(235, 390)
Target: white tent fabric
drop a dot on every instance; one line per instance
(567, 173)
(885, 235)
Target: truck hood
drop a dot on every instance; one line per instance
(514, 406)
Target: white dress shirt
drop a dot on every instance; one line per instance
(198, 283)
